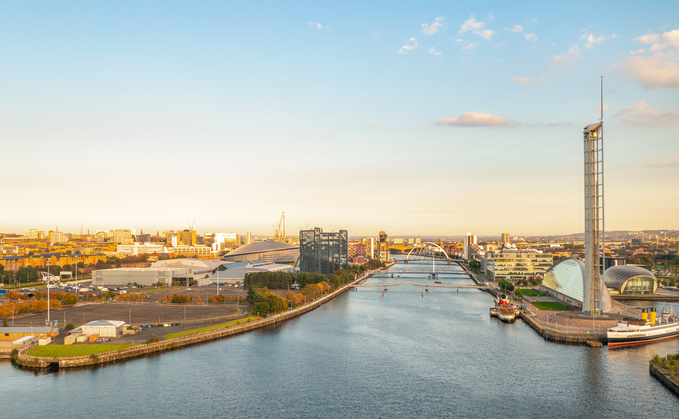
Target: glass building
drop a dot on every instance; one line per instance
(630, 280)
(322, 252)
(565, 280)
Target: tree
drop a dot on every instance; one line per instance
(199, 300)
(27, 274)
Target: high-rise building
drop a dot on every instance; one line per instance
(323, 252)
(57, 236)
(505, 238)
(369, 247)
(187, 238)
(397, 240)
(469, 244)
(383, 248)
(123, 236)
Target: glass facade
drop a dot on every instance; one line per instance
(566, 281)
(628, 279)
(322, 252)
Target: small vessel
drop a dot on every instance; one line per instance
(644, 330)
(493, 311)
(505, 309)
(437, 282)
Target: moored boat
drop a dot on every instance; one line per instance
(644, 330)
(505, 309)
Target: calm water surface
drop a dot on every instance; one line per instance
(362, 355)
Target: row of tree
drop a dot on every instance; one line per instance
(263, 301)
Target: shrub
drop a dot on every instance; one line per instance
(69, 327)
(14, 354)
(153, 339)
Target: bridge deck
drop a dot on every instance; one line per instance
(478, 287)
(425, 271)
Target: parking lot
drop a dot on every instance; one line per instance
(136, 313)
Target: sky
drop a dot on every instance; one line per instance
(412, 117)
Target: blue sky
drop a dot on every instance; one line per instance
(431, 119)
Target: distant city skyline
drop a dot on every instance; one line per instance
(432, 118)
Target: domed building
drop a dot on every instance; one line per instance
(565, 281)
(627, 279)
(265, 251)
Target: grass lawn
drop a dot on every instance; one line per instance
(72, 350)
(553, 306)
(532, 293)
(213, 327)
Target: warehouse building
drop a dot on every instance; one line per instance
(104, 328)
(141, 276)
(10, 334)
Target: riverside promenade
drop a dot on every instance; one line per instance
(28, 361)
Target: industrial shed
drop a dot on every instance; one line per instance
(104, 328)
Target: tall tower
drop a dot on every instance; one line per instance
(594, 217)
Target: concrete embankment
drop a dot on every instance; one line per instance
(29, 361)
(665, 378)
(570, 338)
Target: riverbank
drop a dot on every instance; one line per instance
(592, 340)
(28, 361)
(663, 377)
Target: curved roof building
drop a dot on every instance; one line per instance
(630, 280)
(266, 251)
(566, 281)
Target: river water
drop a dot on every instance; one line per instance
(408, 353)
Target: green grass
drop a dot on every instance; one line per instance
(72, 350)
(532, 293)
(206, 328)
(552, 306)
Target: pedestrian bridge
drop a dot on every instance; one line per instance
(393, 284)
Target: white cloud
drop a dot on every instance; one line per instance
(433, 51)
(477, 27)
(470, 47)
(318, 26)
(515, 29)
(566, 59)
(471, 24)
(534, 20)
(530, 37)
(476, 119)
(660, 68)
(408, 47)
(524, 81)
(435, 26)
(644, 114)
(485, 34)
(375, 33)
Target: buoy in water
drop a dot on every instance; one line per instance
(382, 293)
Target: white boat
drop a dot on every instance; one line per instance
(644, 330)
(494, 311)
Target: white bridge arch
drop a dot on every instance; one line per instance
(420, 246)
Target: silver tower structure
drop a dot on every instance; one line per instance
(594, 217)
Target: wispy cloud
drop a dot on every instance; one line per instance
(375, 33)
(515, 29)
(574, 53)
(606, 106)
(524, 81)
(644, 114)
(408, 47)
(315, 25)
(476, 119)
(531, 37)
(435, 26)
(476, 27)
(433, 51)
(470, 46)
(660, 67)
(592, 40)
(534, 20)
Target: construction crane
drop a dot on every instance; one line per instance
(279, 232)
(190, 224)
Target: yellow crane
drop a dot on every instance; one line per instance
(279, 232)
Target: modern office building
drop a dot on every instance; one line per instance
(123, 236)
(505, 238)
(369, 246)
(186, 238)
(565, 281)
(323, 252)
(516, 264)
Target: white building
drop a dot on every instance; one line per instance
(104, 328)
(469, 243)
(137, 248)
(515, 264)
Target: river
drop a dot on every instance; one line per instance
(408, 353)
